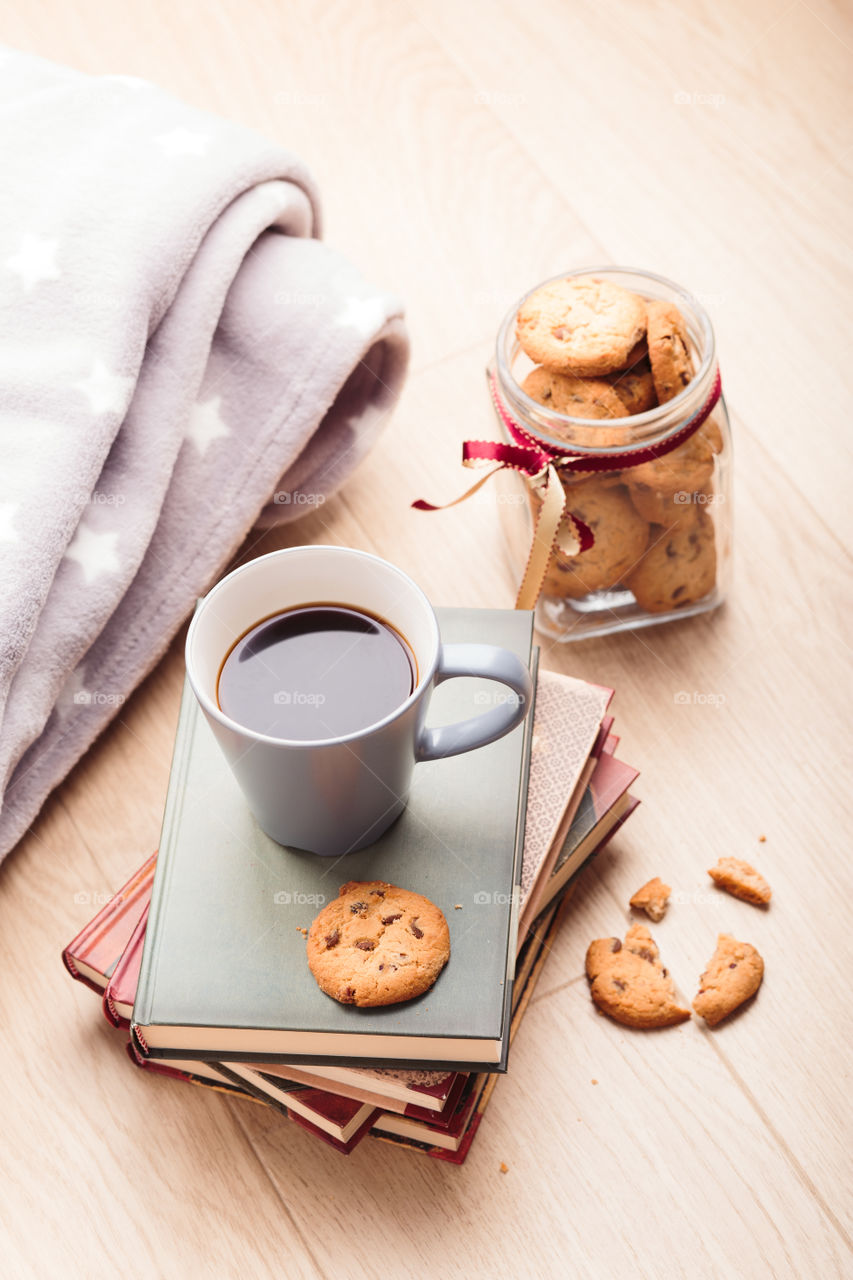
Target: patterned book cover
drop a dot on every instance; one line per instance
(567, 722)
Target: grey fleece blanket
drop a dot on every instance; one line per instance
(179, 359)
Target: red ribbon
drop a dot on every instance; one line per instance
(539, 461)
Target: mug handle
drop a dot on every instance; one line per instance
(494, 664)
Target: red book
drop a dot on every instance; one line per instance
(328, 1115)
(448, 1136)
(94, 953)
(344, 1147)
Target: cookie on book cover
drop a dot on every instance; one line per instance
(377, 944)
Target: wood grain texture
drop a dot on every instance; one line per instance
(464, 153)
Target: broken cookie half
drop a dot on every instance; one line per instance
(629, 983)
(734, 973)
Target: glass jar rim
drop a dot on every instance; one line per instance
(672, 413)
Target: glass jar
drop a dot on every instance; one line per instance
(652, 489)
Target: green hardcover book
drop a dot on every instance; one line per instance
(224, 974)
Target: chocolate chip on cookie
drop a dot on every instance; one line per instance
(652, 898)
(377, 944)
(742, 880)
(669, 350)
(734, 973)
(629, 983)
(584, 326)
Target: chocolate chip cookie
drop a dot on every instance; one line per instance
(687, 469)
(680, 566)
(583, 326)
(577, 397)
(629, 983)
(734, 973)
(377, 944)
(666, 509)
(620, 533)
(635, 385)
(669, 350)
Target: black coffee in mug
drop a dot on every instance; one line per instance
(317, 671)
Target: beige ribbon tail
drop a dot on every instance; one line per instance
(544, 537)
(467, 494)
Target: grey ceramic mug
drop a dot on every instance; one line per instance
(336, 795)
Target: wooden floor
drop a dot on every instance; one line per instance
(466, 151)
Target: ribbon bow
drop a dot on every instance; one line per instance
(540, 464)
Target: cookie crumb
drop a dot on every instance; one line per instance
(593, 1081)
(762, 839)
(457, 906)
(653, 898)
(504, 1167)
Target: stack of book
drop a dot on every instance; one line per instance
(200, 957)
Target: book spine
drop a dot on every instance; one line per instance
(123, 983)
(174, 800)
(521, 822)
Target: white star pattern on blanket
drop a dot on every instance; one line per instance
(105, 391)
(94, 552)
(7, 515)
(364, 314)
(206, 424)
(182, 142)
(34, 261)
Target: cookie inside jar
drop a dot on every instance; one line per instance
(617, 368)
